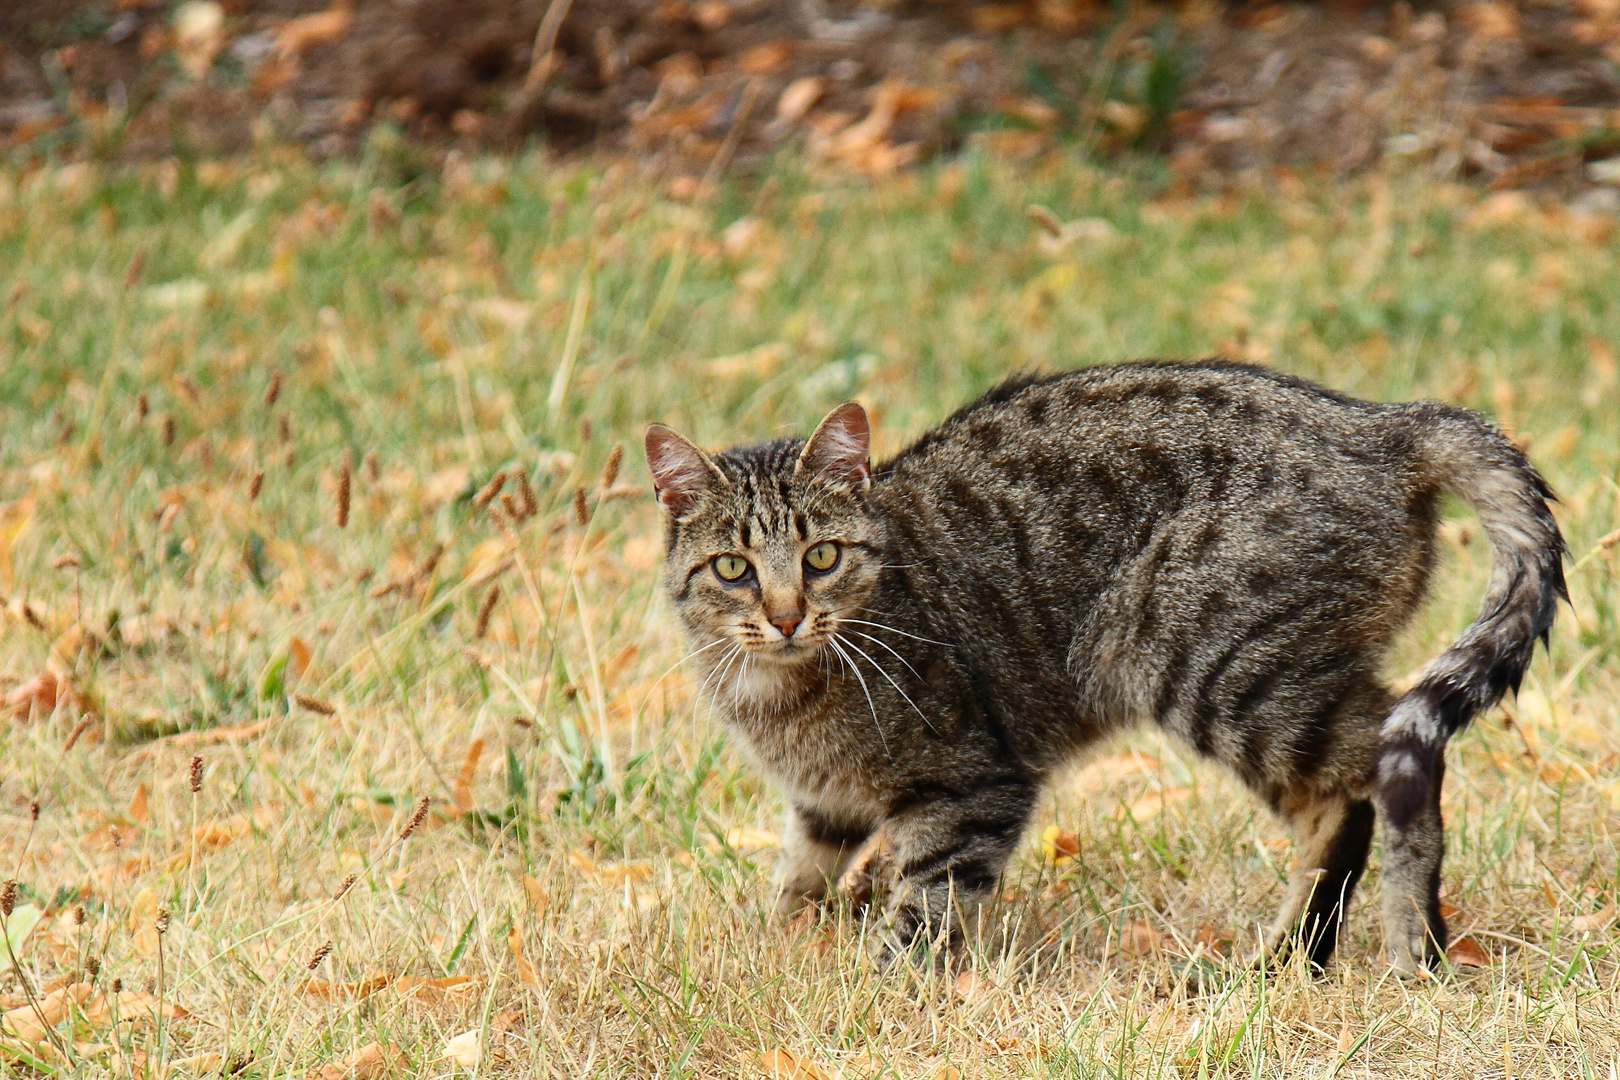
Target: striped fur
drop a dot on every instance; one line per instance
(1217, 549)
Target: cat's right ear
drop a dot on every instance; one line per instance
(681, 472)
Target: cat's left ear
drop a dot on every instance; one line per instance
(840, 449)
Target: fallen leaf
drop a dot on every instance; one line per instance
(526, 973)
(1597, 920)
(434, 990)
(766, 59)
(344, 991)
(217, 735)
(33, 1022)
(462, 790)
(130, 1006)
(781, 1065)
(1140, 939)
(322, 28)
(39, 695)
(969, 986)
(1347, 1038)
(1447, 911)
(798, 98)
(945, 1072)
(535, 893)
(1154, 803)
(139, 811)
(367, 1063)
(1058, 845)
(298, 657)
(466, 1049)
(1466, 952)
(199, 27)
(748, 838)
(615, 874)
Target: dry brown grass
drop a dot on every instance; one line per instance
(583, 886)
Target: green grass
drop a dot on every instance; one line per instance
(424, 320)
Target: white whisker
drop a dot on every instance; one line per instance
(892, 630)
(884, 739)
(886, 645)
(892, 683)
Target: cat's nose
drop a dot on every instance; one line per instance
(787, 623)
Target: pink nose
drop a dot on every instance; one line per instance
(787, 623)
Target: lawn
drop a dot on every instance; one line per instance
(260, 621)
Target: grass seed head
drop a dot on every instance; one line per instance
(610, 471)
(490, 490)
(273, 391)
(79, 915)
(582, 511)
(416, 818)
(92, 968)
(168, 429)
(318, 955)
(511, 506)
(284, 428)
(315, 704)
(73, 736)
(429, 564)
(132, 272)
(486, 609)
(344, 480)
(161, 923)
(255, 486)
(196, 775)
(65, 562)
(343, 889)
(33, 810)
(531, 501)
(143, 406)
(117, 987)
(8, 897)
(372, 467)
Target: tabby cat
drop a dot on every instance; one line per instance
(1223, 550)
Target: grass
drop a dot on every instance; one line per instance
(431, 330)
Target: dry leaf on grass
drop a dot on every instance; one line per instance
(1058, 845)
(39, 696)
(33, 1022)
(466, 1049)
(747, 838)
(525, 970)
(139, 808)
(615, 874)
(535, 894)
(321, 28)
(1597, 920)
(462, 791)
(1466, 952)
(367, 1063)
(344, 991)
(433, 991)
(779, 1064)
(798, 98)
(1154, 803)
(971, 987)
(217, 735)
(1141, 939)
(946, 1072)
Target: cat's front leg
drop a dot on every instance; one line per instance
(949, 852)
(815, 849)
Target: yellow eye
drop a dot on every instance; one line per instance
(822, 557)
(730, 567)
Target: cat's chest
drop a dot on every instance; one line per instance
(815, 746)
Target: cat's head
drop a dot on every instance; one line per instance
(767, 545)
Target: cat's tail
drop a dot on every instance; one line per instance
(1459, 452)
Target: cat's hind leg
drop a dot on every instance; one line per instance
(814, 851)
(1414, 842)
(1332, 834)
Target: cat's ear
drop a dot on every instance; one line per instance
(681, 472)
(840, 449)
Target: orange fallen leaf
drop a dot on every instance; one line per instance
(33, 1022)
(526, 973)
(1154, 803)
(322, 28)
(1140, 939)
(139, 810)
(367, 1063)
(466, 1049)
(130, 1006)
(615, 874)
(449, 987)
(1447, 911)
(779, 1064)
(946, 1072)
(298, 657)
(344, 991)
(748, 838)
(1058, 845)
(535, 893)
(462, 790)
(39, 695)
(798, 97)
(218, 735)
(766, 59)
(1597, 920)
(1466, 952)
(970, 986)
